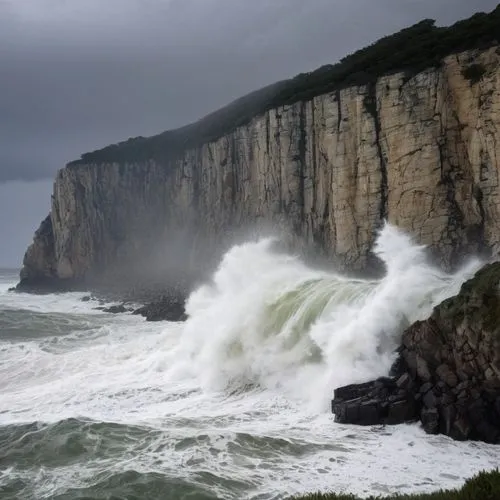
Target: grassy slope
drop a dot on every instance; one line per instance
(411, 50)
(484, 486)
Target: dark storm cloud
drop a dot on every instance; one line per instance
(76, 75)
(23, 205)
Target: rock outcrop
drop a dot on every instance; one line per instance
(167, 308)
(422, 152)
(39, 264)
(448, 372)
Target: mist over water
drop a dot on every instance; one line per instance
(232, 404)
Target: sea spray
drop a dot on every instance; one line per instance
(101, 405)
(268, 321)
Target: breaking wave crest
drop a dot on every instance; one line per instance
(96, 405)
(267, 320)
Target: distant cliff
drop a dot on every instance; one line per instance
(419, 147)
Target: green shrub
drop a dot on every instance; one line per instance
(474, 73)
(484, 486)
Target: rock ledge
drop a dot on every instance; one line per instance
(448, 371)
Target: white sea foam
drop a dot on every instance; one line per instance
(241, 389)
(269, 320)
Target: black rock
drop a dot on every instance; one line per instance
(353, 391)
(375, 403)
(430, 400)
(165, 309)
(402, 411)
(497, 407)
(445, 373)
(115, 309)
(462, 385)
(460, 429)
(369, 413)
(447, 398)
(425, 388)
(423, 369)
(485, 431)
(404, 381)
(399, 367)
(430, 420)
(448, 414)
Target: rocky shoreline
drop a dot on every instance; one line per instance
(447, 371)
(447, 374)
(165, 308)
(156, 304)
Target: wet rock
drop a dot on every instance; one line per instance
(460, 429)
(462, 386)
(447, 399)
(425, 388)
(445, 373)
(115, 309)
(405, 382)
(423, 369)
(448, 414)
(373, 403)
(87, 298)
(353, 391)
(401, 410)
(399, 366)
(430, 400)
(458, 345)
(167, 308)
(430, 420)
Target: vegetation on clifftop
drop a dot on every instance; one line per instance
(484, 486)
(411, 50)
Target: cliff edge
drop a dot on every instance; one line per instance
(324, 158)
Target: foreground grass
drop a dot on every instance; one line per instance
(484, 486)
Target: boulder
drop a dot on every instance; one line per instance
(115, 309)
(447, 372)
(374, 403)
(167, 308)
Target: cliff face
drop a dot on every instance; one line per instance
(423, 153)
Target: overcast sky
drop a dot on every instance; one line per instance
(76, 75)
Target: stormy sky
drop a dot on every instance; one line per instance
(76, 75)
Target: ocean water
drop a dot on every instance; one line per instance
(232, 404)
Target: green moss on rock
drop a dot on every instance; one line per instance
(478, 300)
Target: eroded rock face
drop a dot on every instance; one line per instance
(39, 265)
(39, 259)
(448, 374)
(422, 153)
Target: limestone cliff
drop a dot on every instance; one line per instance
(422, 152)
